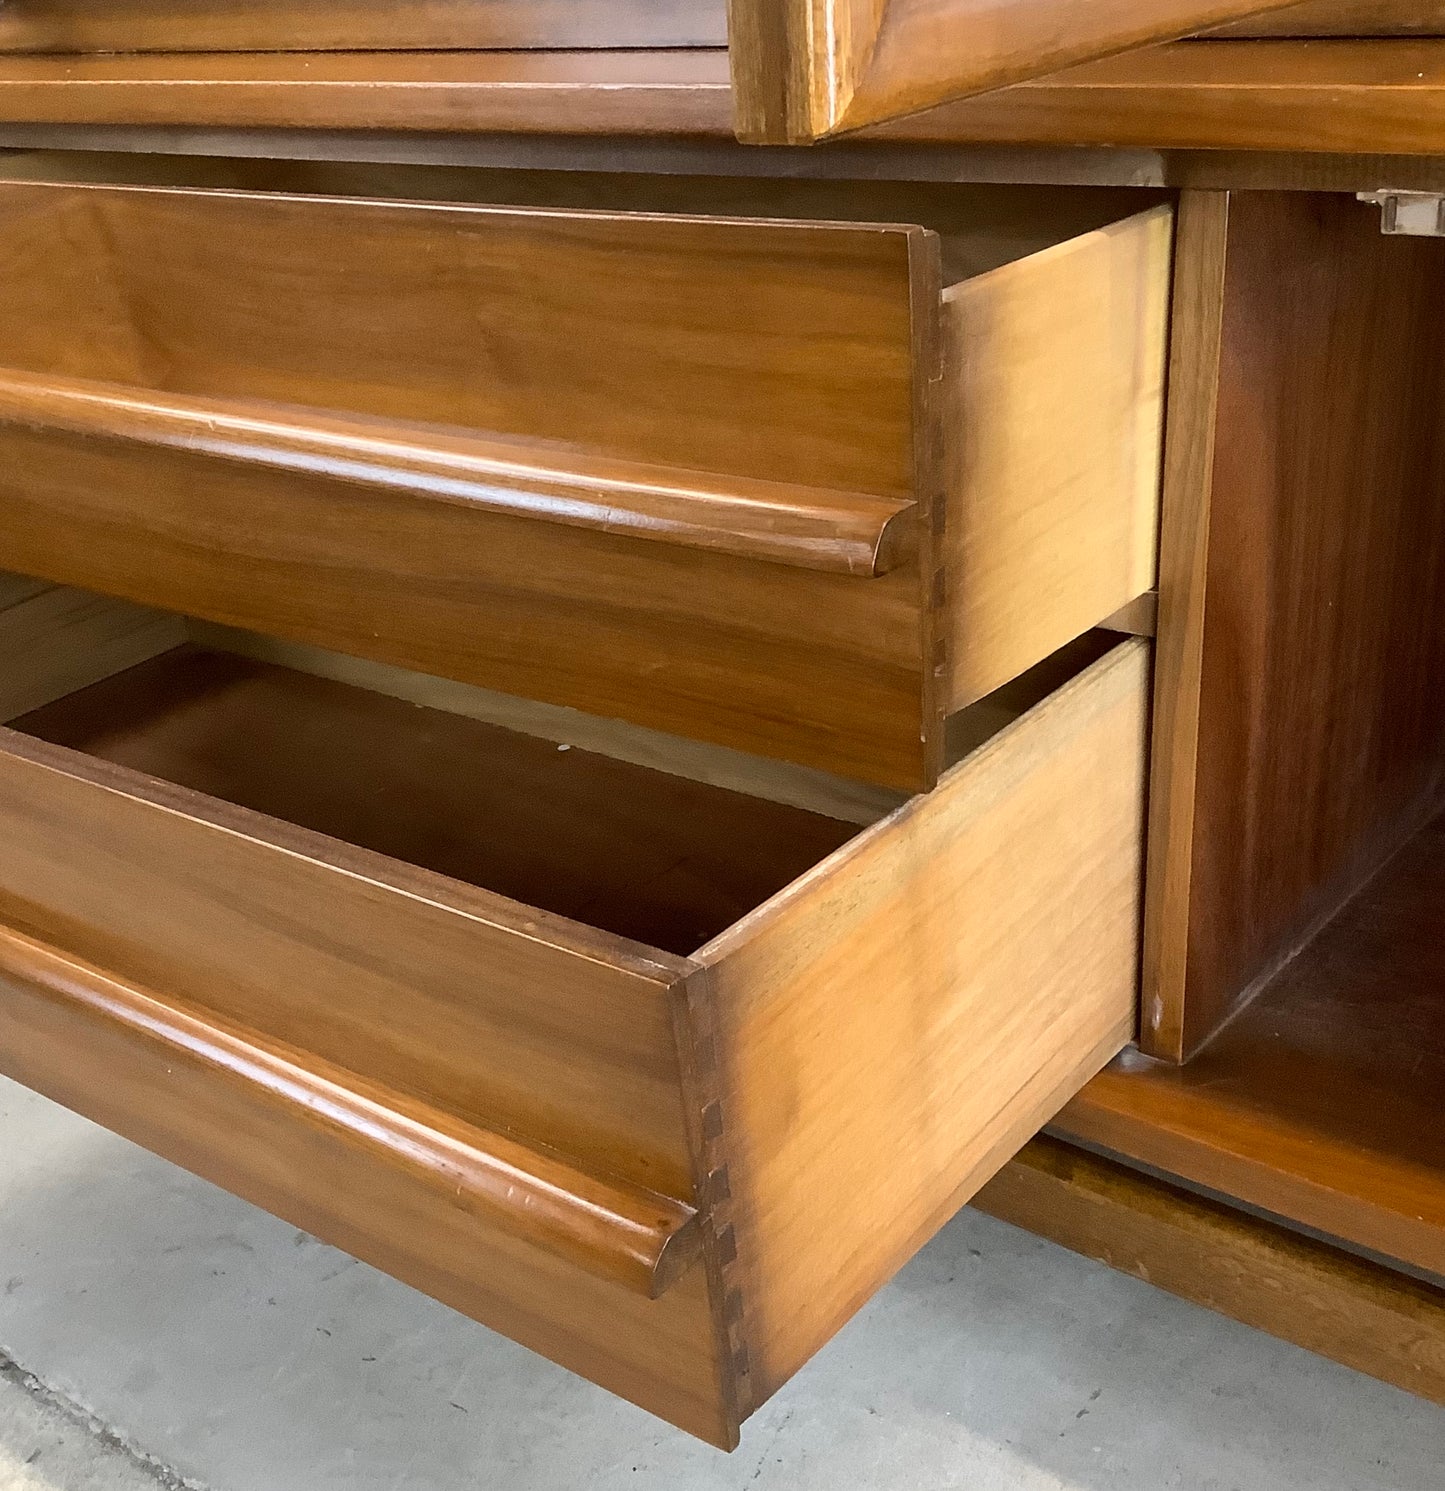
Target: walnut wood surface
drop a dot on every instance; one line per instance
(136, 1065)
(891, 1028)
(276, 25)
(813, 528)
(1346, 18)
(621, 1233)
(1320, 1101)
(345, 1037)
(1302, 1290)
(1380, 98)
(640, 853)
(805, 69)
(1054, 377)
(768, 352)
(1320, 736)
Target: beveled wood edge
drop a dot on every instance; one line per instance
(611, 1228)
(807, 70)
(1300, 1288)
(850, 533)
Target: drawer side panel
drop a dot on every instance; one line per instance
(894, 1027)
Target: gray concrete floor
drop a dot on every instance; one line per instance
(155, 1332)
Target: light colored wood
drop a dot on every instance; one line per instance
(806, 69)
(621, 1233)
(1198, 320)
(348, 25)
(891, 1028)
(1054, 432)
(753, 350)
(54, 641)
(814, 528)
(777, 781)
(1298, 1288)
(1140, 618)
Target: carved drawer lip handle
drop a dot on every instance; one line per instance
(785, 523)
(611, 1228)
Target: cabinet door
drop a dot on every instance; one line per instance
(806, 69)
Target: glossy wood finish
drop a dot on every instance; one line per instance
(891, 1028)
(806, 69)
(717, 520)
(1300, 1289)
(1320, 1101)
(1346, 18)
(623, 1234)
(1054, 367)
(1319, 742)
(813, 528)
(219, 884)
(349, 25)
(747, 356)
(1383, 99)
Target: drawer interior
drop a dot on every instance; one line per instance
(634, 851)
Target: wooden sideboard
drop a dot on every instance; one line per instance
(644, 646)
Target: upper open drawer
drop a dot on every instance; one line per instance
(801, 488)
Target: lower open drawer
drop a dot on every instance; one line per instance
(660, 1078)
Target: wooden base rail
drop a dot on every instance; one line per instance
(810, 528)
(269, 1106)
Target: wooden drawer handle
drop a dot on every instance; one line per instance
(615, 1230)
(806, 527)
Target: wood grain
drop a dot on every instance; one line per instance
(806, 69)
(348, 25)
(814, 528)
(757, 351)
(1321, 726)
(892, 1028)
(1054, 432)
(54, 641)
(1382, 98)
(63, 1035)
(1295, 1287)
(620, 1233)
(1319, 1102)
(1346, 18)
(1196, 343)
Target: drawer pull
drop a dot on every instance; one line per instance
(617, 1231)
(806, 527)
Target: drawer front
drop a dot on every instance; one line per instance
(349, 25)
(677, 1175)
(660, 469)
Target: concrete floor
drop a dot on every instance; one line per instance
(158, 1333)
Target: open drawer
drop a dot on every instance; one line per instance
(796, 487)
(659, 1078)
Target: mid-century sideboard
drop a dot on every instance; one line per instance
(647, 643)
